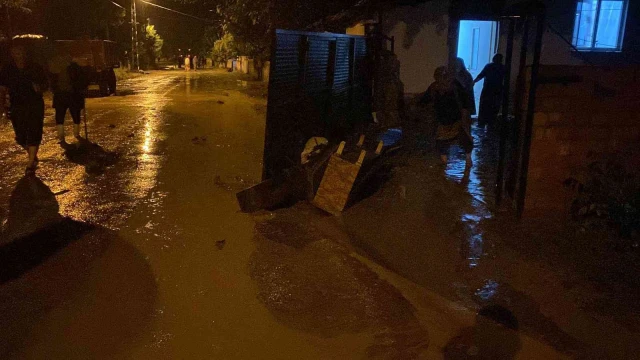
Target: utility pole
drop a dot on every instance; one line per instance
(135, 58)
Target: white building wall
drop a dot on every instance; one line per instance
(420, 42)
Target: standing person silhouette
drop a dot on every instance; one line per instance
(69, 85)
(24, 81)
(464, 77)
(491, 97)
(187, 62)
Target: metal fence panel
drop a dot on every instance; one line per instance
(319, 86)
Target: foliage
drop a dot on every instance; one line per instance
(152, 45)
(249, 23)
(21, 5)
(224, 49)
(7, 7)
(209, 38)
(608, 196)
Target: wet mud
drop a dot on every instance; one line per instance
(438, 226)
(63, 277)
(314, 285)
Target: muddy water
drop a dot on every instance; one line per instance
(436, 226)
(148, 257)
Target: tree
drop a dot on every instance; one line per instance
(72, 19)
(152, 44)
(224, 49)
(251, 23)
(7, 7)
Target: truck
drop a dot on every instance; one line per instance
(98, 58)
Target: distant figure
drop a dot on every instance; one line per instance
(25, 81)
(187, 63)
(466, 80)
(491, 97)
(195, 62)
(179, 60)
(69, 85)
(451, 106)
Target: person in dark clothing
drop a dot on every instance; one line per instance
(491, 97)
(464, 77)
(452, 110)
(69, 84)
(25, 82)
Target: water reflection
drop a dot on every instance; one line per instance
(488, 290)
(478, 181)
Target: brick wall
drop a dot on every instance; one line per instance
(582, 113)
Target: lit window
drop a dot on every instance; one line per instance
(600, 24)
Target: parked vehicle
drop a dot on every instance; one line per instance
(98, 58)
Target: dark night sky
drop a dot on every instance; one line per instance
(67, 19)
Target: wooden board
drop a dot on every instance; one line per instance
(336, 185)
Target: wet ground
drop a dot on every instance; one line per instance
(131, 245)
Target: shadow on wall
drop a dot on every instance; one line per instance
(62, 279)
(416, 17)
(494, 336)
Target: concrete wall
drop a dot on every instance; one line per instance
(577, 123)
(420, 34)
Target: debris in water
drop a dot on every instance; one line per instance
(199, 140)
(220, 244)
(220, 102)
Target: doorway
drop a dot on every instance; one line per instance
(477, 43)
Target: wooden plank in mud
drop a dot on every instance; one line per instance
(336, 185)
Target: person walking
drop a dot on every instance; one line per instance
(451, 105)
(187, 63)
(464, 77)
(195, 62)
(24, 81)
(491, 97)
(69, 85)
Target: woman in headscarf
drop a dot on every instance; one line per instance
(464, 77)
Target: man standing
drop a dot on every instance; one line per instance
(25, 82)
(69, 85)
(491, 97)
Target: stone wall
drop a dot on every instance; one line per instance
(582, 113)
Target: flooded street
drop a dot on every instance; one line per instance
(132, 246)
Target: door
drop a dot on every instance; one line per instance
(477, 42)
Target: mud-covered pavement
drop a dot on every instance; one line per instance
(131, 245)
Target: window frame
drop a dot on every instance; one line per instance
(593, 47)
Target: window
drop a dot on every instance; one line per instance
(599, 24)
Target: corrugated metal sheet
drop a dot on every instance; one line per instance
(319, 86)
